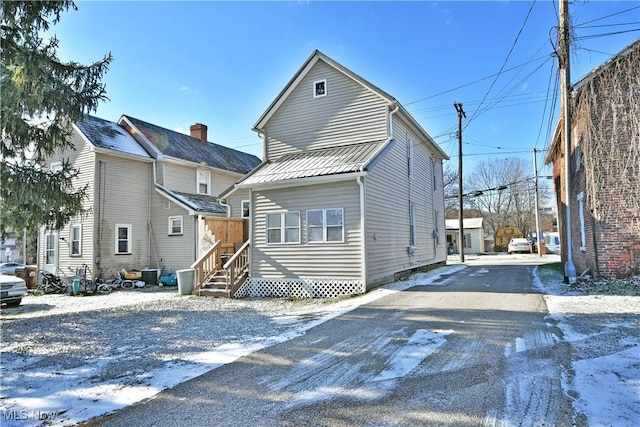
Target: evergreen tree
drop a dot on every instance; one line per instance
(41, 98)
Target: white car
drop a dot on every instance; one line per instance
(12, 290)
(519, 244)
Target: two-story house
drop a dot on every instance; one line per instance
(150, 191)
(604, 169)
(350, 193)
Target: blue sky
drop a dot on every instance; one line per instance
(222, 63)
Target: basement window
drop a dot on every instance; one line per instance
(320, 88)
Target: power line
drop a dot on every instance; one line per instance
(505, 61)
(608, 16)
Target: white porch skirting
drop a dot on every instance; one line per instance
(299, 288)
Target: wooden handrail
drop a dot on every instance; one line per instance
(207, 264)
(237, 268)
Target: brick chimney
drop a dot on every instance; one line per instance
(199, 131)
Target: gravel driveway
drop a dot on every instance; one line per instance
(94, 348)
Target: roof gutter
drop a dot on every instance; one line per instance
(298, 182)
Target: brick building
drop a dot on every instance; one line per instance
(605, 169)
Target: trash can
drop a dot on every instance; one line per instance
(31, 272)
(150, 277)
(186, 281)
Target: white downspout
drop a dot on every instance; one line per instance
(363, 237)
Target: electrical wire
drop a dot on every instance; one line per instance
(475, 114)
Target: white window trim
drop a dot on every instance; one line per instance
(208, 181)
(283, 228)
(326, 226)
(242, 203)
(53, 238)
(71, 228)
(174, 218)
(583, 236)
(315, 83)
(129, 239)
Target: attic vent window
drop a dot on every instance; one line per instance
(319, 88)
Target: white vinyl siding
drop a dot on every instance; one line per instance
(338, 260)
(349, 114)
(387, 198)
(173, 252)
(75, 240)
(82, 158)
(124, 199)
(183, 178)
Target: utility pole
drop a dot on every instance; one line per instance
(565, 85)
(461, 114)
(535, 202)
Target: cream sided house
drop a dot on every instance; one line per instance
(473, 232)
(151, 193)
(349, 195)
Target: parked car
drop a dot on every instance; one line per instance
(10, 267)
(518, 244)
(12, 290)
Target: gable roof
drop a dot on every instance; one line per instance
(109, 136)
(302, 72)
(306, 68)
(467, 223)
(317, 163)
(185, 147)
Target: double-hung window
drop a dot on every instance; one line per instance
(245, 209)
(175, 225)
(204, 182)
(75, 237)
(326, 225)
(123, 239)
(283, 227)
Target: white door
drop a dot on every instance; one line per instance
(51, 252)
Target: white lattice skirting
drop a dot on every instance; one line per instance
(299, 288)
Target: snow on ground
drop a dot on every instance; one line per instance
(95, 359)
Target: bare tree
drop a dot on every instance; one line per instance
(501, 206)
(451, 204)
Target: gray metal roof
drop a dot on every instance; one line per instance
(197, 202)
(315, 163)
(185, 147)
(105, 134)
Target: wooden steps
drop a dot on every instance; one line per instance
(216, 286)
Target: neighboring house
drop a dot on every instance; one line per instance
(473, 232)
(9, 250)
(150, 190)
(604, 169)
(350, 193)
